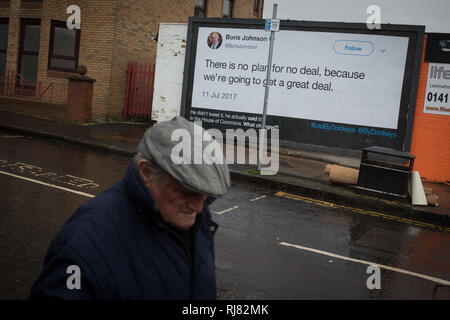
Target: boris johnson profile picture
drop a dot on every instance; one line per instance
(214, 40)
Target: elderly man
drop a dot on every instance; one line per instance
(150, 236)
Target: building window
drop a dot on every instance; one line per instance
(64, 47)
(256, 6)
(200, 8)
(30, 32)
(4, 3)
(227, 8)
(3, 47)
(31, 4)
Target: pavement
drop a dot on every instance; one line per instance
(301, 172)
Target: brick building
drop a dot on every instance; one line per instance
(37, 46)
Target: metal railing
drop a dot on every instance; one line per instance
(14, 84)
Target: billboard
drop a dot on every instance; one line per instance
(337, 85)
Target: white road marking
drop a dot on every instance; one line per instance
(226, 210)
(38, 172)
(48, 184)
(258, 198)
(7, 136)
(441, 281)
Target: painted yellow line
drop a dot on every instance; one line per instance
(329, 254)
(361, 211)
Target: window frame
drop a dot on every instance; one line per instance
(231, 3)
(256, 6)
(4, 21)
(31, 4)
(23, 24)
(5, 51)
(198, 9)
(5, 4)
(53, 25)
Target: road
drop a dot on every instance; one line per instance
(270, 244)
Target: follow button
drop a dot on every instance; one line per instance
(354, 47)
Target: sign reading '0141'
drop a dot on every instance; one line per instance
(437, 97)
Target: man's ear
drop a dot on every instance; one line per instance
(144, 170)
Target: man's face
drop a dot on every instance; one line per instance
(177, 205)
(214, 38)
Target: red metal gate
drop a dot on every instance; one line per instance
(139, 94)
(13, 83)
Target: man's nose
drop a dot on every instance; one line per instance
(196, 203)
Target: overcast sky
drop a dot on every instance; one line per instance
(434, 14)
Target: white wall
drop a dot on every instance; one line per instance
(169, 71)
(434, 14)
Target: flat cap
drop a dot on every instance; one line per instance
(189, 154)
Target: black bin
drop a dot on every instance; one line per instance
(385, 171)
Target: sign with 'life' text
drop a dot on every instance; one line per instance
(437, 96)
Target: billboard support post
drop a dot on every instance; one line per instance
(266, 91)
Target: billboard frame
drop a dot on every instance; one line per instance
(408, 99)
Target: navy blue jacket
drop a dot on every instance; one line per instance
(125, 251)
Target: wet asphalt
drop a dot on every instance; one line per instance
(268, 245)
